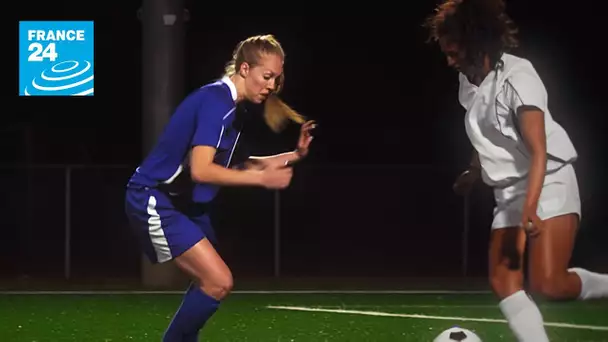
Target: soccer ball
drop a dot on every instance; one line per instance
(457, 334)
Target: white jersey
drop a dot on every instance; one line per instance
(492, 125)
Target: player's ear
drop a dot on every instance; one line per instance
(244, 69)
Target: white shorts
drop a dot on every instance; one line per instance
(559, 196)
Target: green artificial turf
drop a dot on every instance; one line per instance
(247, 317)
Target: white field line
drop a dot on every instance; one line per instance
(446, 318)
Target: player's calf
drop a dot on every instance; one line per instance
(506, 277)
(506, 261)
(212, 281)
(505, 284)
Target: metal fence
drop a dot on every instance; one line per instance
(356, 220)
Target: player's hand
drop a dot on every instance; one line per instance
(276, 177)
(305, 139)
(254, 165)
(464, 182)
(264, 163)
(530, 221)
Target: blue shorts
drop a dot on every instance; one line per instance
(167, 226)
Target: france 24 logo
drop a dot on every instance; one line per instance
(56, 58)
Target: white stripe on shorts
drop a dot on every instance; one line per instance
(157, 235)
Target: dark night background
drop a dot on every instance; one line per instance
(374, 198)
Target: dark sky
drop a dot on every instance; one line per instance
(380, 94)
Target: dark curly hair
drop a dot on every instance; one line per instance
(478, 27)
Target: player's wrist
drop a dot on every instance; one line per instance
(240, 166)
(531, 202)
(299, 153)
(255, 177)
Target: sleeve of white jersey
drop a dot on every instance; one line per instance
(524, 87)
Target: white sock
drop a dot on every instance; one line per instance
(594, 285)
(524, 318)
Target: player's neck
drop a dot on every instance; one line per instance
(239, 84)
(483, 72)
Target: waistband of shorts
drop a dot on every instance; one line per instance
(514, 181)
(139, 186)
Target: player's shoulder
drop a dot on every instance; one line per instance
(213, 96)
(514, 66)
(212, 100)
(214, 91)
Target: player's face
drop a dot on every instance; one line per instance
(455, 57)
(262, 78)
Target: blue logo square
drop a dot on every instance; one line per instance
(56, 58)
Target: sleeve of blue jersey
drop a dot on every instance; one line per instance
(209, 119)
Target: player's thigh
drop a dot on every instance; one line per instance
(560, 209)
(506, 254)
(203, 264)
(195, 249)
(550, 252)
(507, 240)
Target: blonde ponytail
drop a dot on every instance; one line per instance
(277, 114)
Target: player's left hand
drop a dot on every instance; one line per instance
(254, 164)
(305, 138)
(530, 221)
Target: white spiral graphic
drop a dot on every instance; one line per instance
(75, 79)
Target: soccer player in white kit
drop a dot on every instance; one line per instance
(524, 155)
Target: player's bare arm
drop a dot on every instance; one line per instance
(262, 162)
(203, 170)
(286, 158)
(475, 165)
(465, 180)
(532, 124)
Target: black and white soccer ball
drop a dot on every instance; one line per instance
(457, 334)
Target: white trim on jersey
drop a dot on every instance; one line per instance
(236, 141)
(230, 85)
(179, 170)
(228, 114)
(220, 138)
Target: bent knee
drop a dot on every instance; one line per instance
(550, 287)
(218, 287)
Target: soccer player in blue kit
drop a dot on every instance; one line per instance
(173, 224)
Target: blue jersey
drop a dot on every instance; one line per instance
(205, 117)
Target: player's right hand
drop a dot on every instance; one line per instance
(277, 178)
(464, 182)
